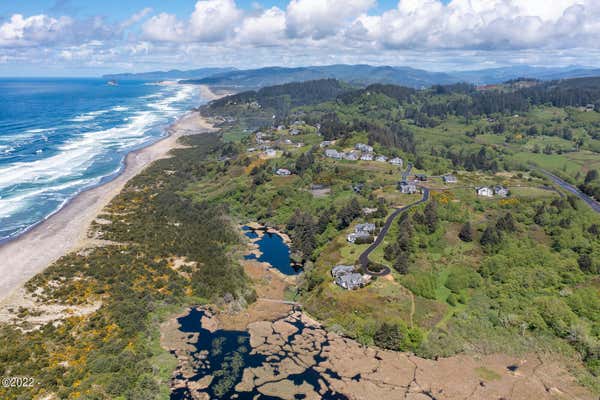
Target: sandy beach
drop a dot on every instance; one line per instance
(66, 231)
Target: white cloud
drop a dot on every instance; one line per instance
(20, 31)
(214, 20)
(163, 27)
(265, 28)
(322, 18)
(137, 17)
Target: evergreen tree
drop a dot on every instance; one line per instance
(466, 232)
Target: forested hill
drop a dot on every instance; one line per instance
(427, 105)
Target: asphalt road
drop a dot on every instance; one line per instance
(572, 189)
(363, 259)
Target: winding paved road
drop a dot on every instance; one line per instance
(363, 259)
(572, 189)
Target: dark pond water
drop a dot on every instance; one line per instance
(229, 353)
(274, 251)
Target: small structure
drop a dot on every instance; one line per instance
(362, 237)
(381, 159)
(325, 143)
(345, 277)
(351, 155)
(369, 211)
(294, 132)
(364, 147)
(485, 191)
(407, 187)
(270, 153)
(366, 227)
(367, 157)
(283, 172)
(397, 161)
(501, 191)
(358, 187)
(421, 177)
(332, 153)
(450, 179)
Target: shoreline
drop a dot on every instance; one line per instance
(66, 230)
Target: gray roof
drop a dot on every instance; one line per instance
(339, 270)
(350, 281)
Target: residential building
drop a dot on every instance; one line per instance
(294, 132)
(369, 211)
(364, 147)
(367, 157)
(325, 143)
(283, 172)
(381, 158)
(332, 153)
(270, 153)
(501, 191)
(450, 179)
(485, 191)
(396, 161)
(366, 227)
(407, 187)
(340, 270)
(351, 156)
(361, 236)
(350, 281)
(421, 177)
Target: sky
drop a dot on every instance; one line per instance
(90, 37)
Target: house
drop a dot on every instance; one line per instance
(381, 158)
(369, 211)
(351, 155)
(450, 179)
(367, 157)
(251, 149)
(294, 132)
(283, 172)
(407, 187)
(421, 177)
(350, 281)
(364, 147)
(332, 153)
(360, 236)
(501, 191)
(325, 143)
(346, 277)
(270, 153)
(485, 191)
(367, 228)
(340, 270)
(396, 161)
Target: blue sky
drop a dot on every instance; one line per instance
(90, 37)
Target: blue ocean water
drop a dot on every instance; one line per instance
(59, 137)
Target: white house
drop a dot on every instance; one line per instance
(270, 153)
(325, 143)
(367, 157)
(283, 172)
(351, 155)
(450, 179)
(332, 153)
(294, 132)
(407, 187)
(501, 191)
(366, 227)
(351, 281)
(364, 147)
(354, 236)
(485, 191)
(396, 161)
(381, 158)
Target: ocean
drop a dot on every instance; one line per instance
(59, 137)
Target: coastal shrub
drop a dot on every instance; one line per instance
(462, 278)
(422, 284)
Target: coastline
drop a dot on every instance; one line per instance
(66, 230)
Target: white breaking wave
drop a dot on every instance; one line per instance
(78, 154)
(120, 108)
(90, 116)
